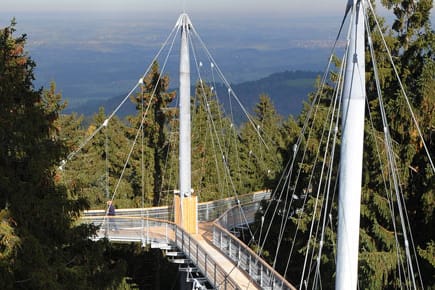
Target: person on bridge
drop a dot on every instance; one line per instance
(111, 213)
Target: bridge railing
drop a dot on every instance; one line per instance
(207, 211)
(132, 229)
(214, 273)
(149, 231)
(246, 259)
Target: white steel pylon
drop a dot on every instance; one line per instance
(185, 143)
(185, 205)
(349, 203)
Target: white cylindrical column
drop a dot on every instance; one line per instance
(353, 107)
(185, 144)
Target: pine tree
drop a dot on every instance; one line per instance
(413, 51)
(46, 250)
(413, 47)
(260, 151)
(213, 158)
(95, 171)
(296, 216)
(154, 101)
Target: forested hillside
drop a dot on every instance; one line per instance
(288, 90)
(116, 156)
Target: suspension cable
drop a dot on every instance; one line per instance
(390, 57)
(392, 163)
(388, 191)
(140, 82)
(227, 84)
(106, 122)
(290, 165)
(215, 131)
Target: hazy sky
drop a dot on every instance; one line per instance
(247, 6)
(86, 45)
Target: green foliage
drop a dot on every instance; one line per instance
(147, 268)
(262, 141)
(94, 172)
(376, 269)
(9, 241)
(210, 135)
(218, 150)
(152, 106)
(411, 42)
(40, 246)
(414, 49)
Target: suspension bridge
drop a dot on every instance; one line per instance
(214, 256)
(203, 237)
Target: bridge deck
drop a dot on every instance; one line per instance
(163, 236)
(204, 238)
(217, 254)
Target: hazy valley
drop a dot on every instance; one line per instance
(97, 60)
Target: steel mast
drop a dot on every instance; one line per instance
(353, 106)
(185, 205)
(185, 143)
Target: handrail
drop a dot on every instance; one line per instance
(126, 217)
(157, 231)
(238, 215)
(214, 273)
(207, 211)
(264, 274)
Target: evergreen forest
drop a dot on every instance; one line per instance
(44, 188)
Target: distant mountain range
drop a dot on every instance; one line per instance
(288, 90)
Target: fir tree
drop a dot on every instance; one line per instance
(212, 150)
(412, 46)
(152, 105)
(260, 154)
(46, 251)
(413, 52)
(96, 169)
